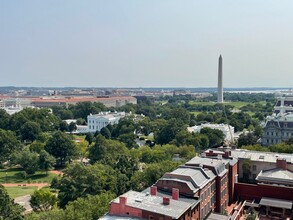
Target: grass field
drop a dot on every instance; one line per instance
(20, 190)
(236, 105)
(13, 175)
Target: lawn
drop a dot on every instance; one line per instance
(16, 191)
(236, 105)
(13, 175)
(201, 103)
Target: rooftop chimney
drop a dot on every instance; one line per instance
(122, 200)
(153, 190)
(281, 163)
(166, 200)
(175, 193)
(227, 154)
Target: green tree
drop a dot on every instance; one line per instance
(142, 180)
(30, 131)
(79, 180)
(43, 117)
(29, 161)
(106, 151)
(8, 209)
(63, 126)
(83, 109)
(46, 161)
(61, 146)
(72, 127)
(105, 132)
(247, 139)
(37, 146)
(53, 214)
(126, 164)
(89, 138)
(8, 145)
(90, 207)
(246, 168)
(167, 132)
(4, 119)
(215, 136)
(43, 200)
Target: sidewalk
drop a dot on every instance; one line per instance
(39, 185)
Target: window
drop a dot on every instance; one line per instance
(151, 217)
(254, 167)
(214, 199)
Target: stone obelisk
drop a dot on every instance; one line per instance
(220, 80)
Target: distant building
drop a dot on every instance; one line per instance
(279, 126)
(98, 121)
(228, 130)
(12, 110)
(65, 101)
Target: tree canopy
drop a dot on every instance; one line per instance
(61, 146)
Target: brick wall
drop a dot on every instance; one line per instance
(250, 191)
(233, 171)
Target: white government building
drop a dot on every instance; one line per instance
(98, 121)
(228, 130)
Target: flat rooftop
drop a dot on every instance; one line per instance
(147, 202)
(269, 157)
(276, 175)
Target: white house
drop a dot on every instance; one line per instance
(98, 121)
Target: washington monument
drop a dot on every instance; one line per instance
(220, 80)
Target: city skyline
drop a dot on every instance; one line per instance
(145, 43)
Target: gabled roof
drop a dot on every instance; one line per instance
(217, 165)
(195, 177)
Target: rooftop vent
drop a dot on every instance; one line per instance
(138, 200)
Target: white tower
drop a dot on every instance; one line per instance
(220, 80)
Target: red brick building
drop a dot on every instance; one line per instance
(192, 182)
(150, 205)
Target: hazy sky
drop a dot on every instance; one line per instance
(146, 43)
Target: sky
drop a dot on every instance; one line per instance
(146, 43)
